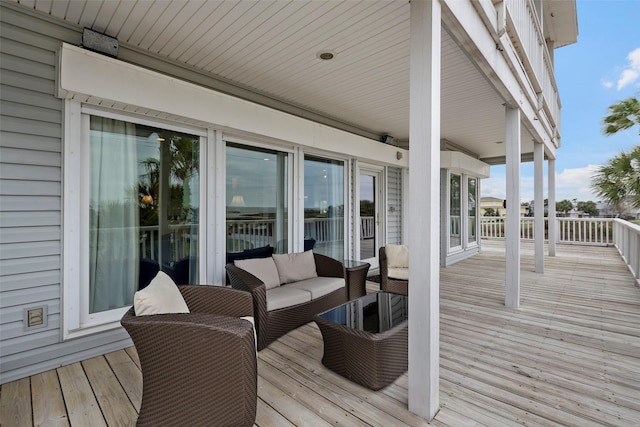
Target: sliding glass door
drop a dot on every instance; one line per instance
(256, 198)
(324, 202)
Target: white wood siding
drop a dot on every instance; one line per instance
(31, 200)
(394, 206)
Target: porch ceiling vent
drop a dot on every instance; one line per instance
(100, 43)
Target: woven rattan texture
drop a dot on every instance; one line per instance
(271, 325)
(387, 284)
(371, 360)
(198, 369)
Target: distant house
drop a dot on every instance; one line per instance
(498, 205)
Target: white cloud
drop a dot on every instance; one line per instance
(575, 183)
(570, 184)
(606, 83)
(632, 72)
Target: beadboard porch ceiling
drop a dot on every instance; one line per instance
(273, 47)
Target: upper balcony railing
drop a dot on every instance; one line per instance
(519, 32)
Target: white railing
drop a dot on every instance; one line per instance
(626, 238)
(367, 227)
(622, 234)
(324, 229)
(172, 246)
(528, 36)
(577, 231)
(526, 27)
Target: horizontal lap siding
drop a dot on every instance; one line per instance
(394, 200)
(31, 150)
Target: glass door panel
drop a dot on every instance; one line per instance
(369, 184)
(143, 209)
(256, 193)
(324, 206)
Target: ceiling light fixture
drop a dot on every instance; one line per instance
(326, 55)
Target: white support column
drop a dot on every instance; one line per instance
(512, 220)
(424, 208)
(538, 198)
(553, 222)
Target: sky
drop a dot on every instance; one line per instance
(600, 70)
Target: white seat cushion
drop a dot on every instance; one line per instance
(295, 267)
(285, 296)
(263, 268)
(397, 256)
(319, 286)
(398, 273)
(162, 296)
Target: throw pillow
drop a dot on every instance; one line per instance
(397, 256)
(162, 296)
(295, 267)
(263, 268)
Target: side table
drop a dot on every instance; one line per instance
(355, 273)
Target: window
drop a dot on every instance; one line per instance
(324, 206)
(138, 212)
(257, 198)
(472, 193)
(454, 210)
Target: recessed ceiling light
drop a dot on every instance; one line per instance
(326, 55)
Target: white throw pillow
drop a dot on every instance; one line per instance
(263, 268)
(295, 267)
(397, 256)
(162, 296)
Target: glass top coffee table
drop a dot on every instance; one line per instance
(365, 340)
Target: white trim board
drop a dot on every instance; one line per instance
(97, 79)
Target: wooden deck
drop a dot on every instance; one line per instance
(569, 356)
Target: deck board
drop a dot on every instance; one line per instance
(569, 356)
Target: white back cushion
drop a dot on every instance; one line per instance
(397, 256)
(295, 267)
(162, 296)
(263, 268)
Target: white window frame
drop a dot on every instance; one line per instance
(77, 321)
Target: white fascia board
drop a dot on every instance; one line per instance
(460, 162)
(87, 75)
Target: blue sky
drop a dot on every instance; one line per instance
(598, 71)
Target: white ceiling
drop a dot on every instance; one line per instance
(272, 48)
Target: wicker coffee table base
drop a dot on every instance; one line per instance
(371, 360)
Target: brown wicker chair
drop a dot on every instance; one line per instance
(198, 368)
(389, 284)
(271, 325)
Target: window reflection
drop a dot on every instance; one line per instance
(143, 209)
(256, 193)
(324, 206)
(454, 210)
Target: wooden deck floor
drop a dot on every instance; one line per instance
(569, 356)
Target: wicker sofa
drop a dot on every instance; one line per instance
(271, 323)
(198, 368)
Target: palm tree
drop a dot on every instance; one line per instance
(623, 115)
(618, 181)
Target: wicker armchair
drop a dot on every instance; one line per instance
(198, 368)
(271, 325)
(390, 284)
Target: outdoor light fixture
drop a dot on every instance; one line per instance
(100, 43)
(387, 139)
